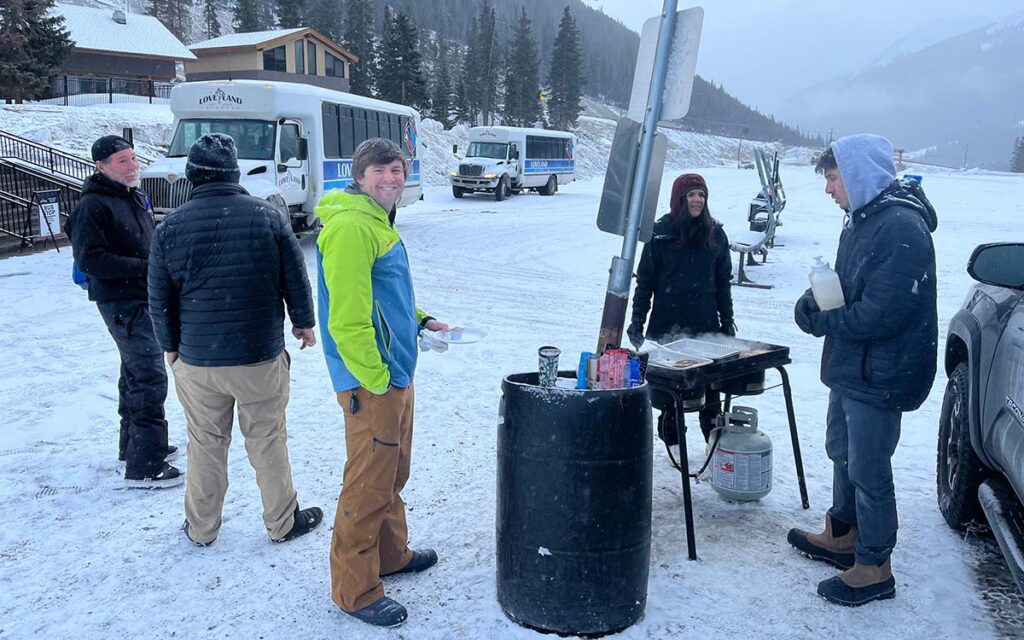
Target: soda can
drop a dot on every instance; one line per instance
(591, 372)
(547, 366)
(581, 371)
(633, 378)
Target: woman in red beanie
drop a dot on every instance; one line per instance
(686, 268)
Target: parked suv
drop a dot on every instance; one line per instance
(981, 429)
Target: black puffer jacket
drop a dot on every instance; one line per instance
(111, 229)
(222, 268)
(691, 288)
(882, 347)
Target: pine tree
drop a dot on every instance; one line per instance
(467, 102)
(358, 39)
(404, 82)
(211, 23)
(462, 105)
(33, 44)
(265, 14)
(441, 98)
(565, 79)
(325, 17)
(246, 16)
(522, 107)
(291, 14)
(485, 58)
(1017, 162)
(176, 15)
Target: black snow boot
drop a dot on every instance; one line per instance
(305, 521)
(860, 585)
(382, 613)
(420, 561)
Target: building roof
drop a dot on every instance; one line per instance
(141, 35)
(257, 40)
(250, 39)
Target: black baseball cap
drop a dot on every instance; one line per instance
(108, 146)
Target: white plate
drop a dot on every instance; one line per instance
(466, 335)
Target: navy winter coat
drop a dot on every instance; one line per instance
(222, 268)
(111, 229)
(882, 347)
(691, 286)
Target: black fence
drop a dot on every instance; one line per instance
(40, 155)
(17, 213)
(88, 90)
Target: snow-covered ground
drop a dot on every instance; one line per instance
(82, 558)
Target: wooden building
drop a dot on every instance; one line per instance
(286, 55)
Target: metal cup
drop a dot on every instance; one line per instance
(547, 365)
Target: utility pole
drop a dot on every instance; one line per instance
(963, 167)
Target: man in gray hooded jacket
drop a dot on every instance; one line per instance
(878, 360)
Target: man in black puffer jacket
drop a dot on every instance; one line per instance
(879, 359)
(223, 267)
(110, 233)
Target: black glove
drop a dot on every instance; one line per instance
(636, 334)
(804, 311)
(728, 328)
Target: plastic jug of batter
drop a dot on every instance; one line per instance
(825, 286)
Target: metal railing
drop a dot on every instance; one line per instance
(40, 155)
(89, 90)
(17, 186)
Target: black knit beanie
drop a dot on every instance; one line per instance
(108, 146)
(212, 158)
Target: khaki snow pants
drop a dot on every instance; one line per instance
(370, 532)
(208, 396)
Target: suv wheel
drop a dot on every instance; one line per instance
(959, 471)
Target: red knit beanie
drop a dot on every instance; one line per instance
(683, 185)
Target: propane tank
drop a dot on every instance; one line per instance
(741, 468)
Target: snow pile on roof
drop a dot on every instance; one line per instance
(95, 29)
(244, 39)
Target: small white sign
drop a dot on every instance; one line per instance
(48, 206)
(682, 67)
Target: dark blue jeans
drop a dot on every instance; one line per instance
(860, 440)
(142, 387)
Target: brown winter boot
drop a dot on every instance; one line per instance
(860, 585)
(837, 550)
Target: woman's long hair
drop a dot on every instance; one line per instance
(696, 232)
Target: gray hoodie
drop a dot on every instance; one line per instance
(865, 163)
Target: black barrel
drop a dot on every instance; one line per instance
(574, 506)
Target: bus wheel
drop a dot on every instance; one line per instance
(501, 191)
(550, 188)
(458, 191)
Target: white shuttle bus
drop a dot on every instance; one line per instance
(506, 160)
(295, 142)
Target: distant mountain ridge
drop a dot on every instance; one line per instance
(962, 95)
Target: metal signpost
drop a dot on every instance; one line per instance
(662, 84)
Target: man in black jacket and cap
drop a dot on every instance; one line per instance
(223, 268)
(110, 233)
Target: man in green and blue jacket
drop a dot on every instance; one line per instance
(369, 325)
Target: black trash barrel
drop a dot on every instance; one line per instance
(574, 505)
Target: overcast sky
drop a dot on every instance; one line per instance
(765, 51)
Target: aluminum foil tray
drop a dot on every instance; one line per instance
(704, 349)
(669, 359)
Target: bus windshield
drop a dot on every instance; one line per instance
(487, 150)
(254, 139)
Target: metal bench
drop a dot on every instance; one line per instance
(763, 219)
